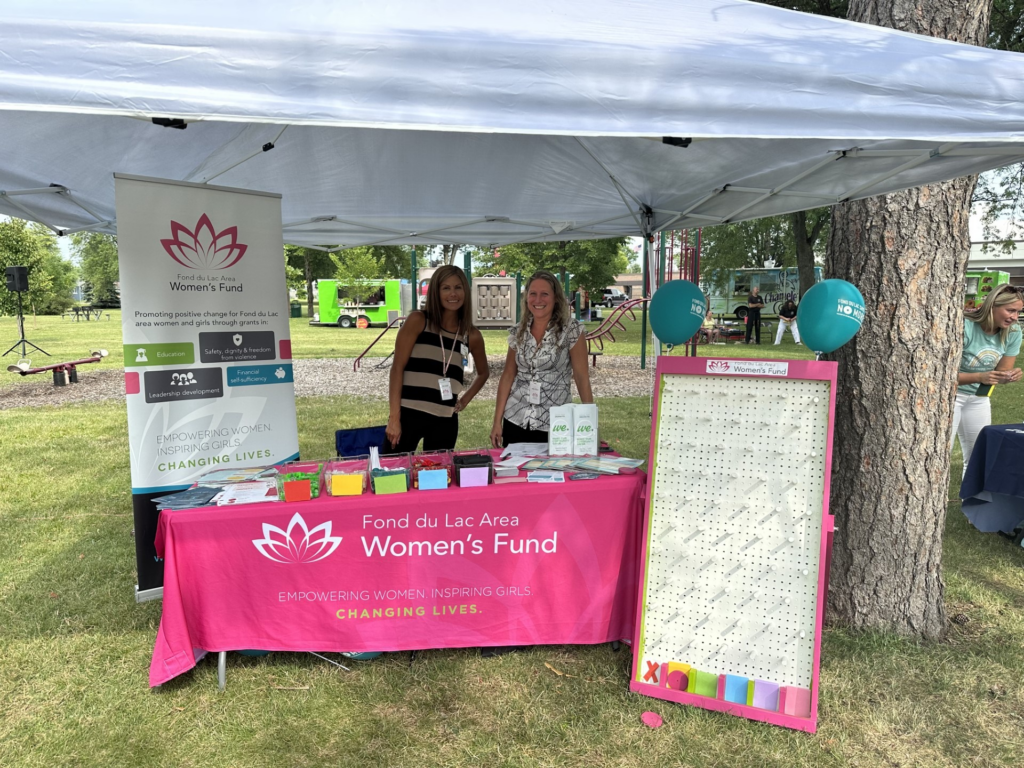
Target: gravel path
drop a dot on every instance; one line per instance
(614, 377)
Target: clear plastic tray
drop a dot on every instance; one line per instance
(430, 461)
(299, 480)
(392, 466)
(347, 476)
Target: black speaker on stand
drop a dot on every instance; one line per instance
(17, 282)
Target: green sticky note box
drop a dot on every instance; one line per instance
(705, 684)
(397, 483)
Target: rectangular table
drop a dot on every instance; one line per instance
(509, 564)
(993, 486)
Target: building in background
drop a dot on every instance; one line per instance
(996, 259)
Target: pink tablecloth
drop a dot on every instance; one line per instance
(515, 564)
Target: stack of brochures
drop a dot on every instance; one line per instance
(606, 465)
(253, 492)
(199, 496)
(236, 475)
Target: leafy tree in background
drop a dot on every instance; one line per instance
(355, 266)
(358, 271)
(64, 276)
(307, 264)
(592, 264)
(792, 239)
(348, 266)
(97, 260)
(999, 194)
(744, 244)
(51, 279)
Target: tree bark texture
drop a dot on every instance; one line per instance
(907, 253)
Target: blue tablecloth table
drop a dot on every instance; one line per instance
(993, 486)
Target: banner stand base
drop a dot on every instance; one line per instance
(145, 595)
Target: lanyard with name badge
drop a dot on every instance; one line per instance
(445, 383)
(534, 395)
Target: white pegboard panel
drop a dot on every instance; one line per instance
(731, 583)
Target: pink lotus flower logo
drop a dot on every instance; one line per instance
(718, 366)
(204, 248)
(298, 544)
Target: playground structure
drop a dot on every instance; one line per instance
(397, 321)
(608, 326)
(62, 372)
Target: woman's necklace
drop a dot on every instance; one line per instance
(534, 328)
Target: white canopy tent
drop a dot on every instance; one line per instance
(409, 122)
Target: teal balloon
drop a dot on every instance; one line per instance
(677, 311)
(829, 315)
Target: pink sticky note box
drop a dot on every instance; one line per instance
(795, 702)
(474, 477)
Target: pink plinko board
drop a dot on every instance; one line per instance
(737, 537)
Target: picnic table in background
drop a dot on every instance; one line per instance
(87, 312)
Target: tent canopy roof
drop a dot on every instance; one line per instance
(488, 123)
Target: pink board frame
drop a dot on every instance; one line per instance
(699, 366)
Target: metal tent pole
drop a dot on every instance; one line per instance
(643, 311)
(415, 282)
(518, 300)
(695, 272)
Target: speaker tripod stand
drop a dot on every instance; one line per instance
(23, 342)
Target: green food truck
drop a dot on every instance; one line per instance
(980, 284)
(374, 302)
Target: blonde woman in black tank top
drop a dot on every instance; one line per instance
(425, 392)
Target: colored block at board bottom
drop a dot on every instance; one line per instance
(703, 684)
(675, 676)
(796, 702)
(736, 689)
(765, 695)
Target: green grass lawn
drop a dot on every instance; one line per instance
(75, 649)
(66, 340)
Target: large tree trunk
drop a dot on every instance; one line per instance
(309, 287)
(805, 247)
(907, 254)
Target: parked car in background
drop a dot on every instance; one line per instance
(612, 297)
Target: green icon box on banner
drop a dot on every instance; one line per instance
(140, 355)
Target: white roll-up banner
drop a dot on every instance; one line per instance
(207, 347)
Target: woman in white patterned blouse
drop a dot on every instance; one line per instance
(546, 350)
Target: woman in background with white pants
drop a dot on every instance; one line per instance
(787, 319)
(991, 342)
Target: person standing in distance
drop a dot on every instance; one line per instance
(787, 319)
(992, 338)
(754, 305)
(546, 350)
(425, 388)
